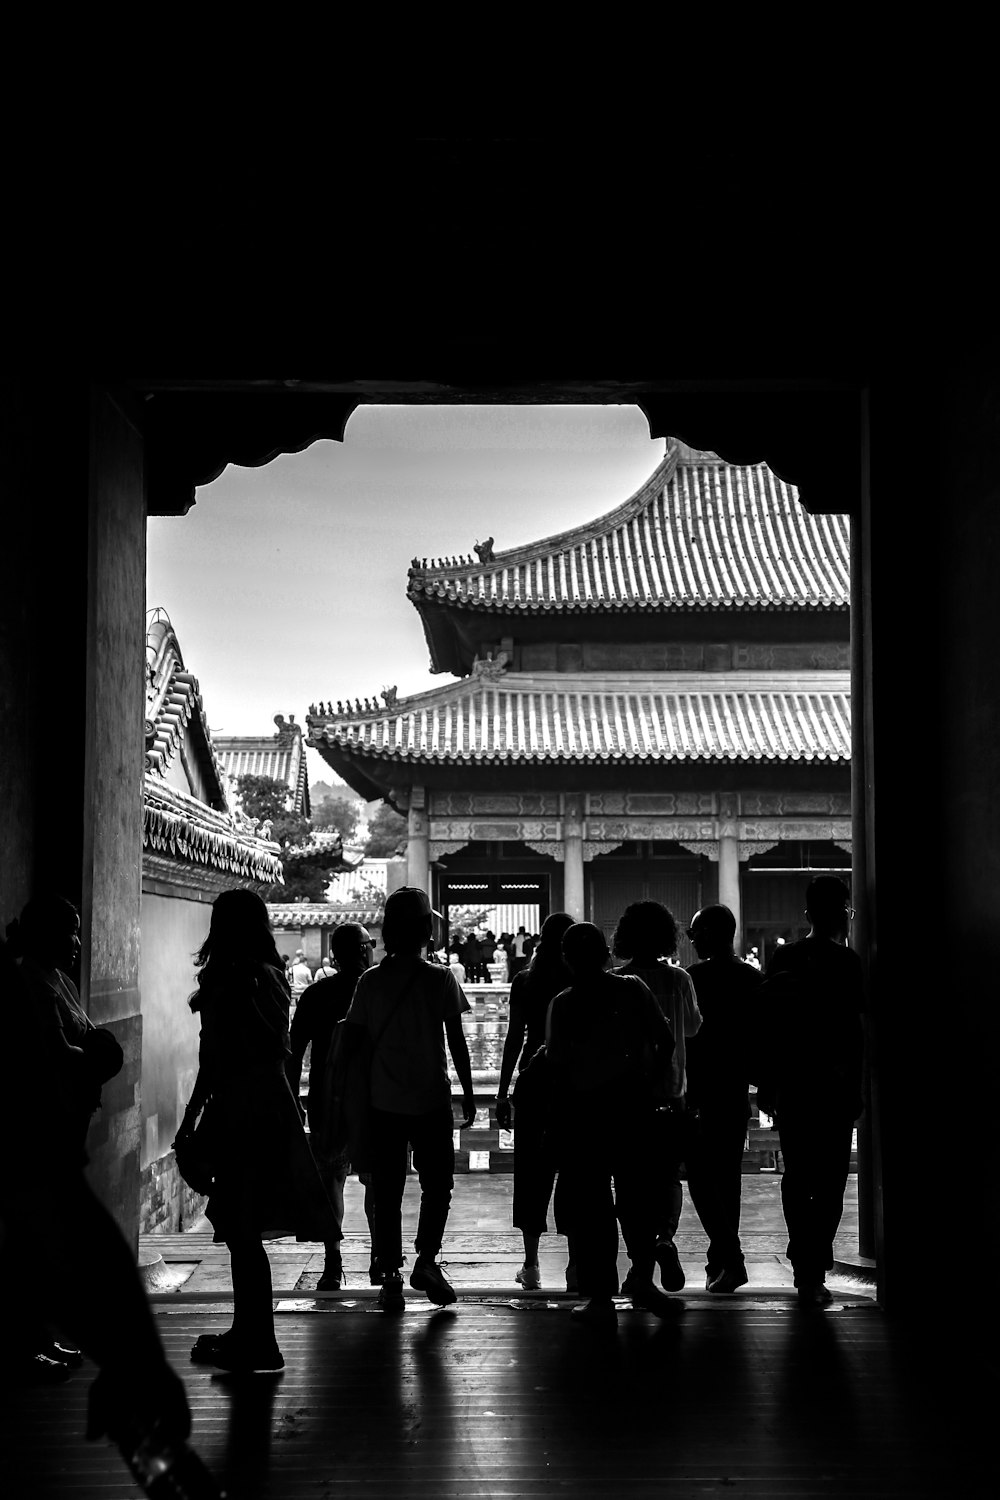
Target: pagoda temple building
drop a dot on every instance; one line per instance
(654, 705)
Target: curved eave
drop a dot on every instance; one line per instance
(348, 748)
(438, 594)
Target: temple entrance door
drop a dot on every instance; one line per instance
(500, 902)
(615, 884)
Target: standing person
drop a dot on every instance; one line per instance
(813, 998)
(606, 1039)
(323, 1004)
(408, 1008)
(718, 1070)
(327, 968)
(265, 1180)
(647, 936)
(457, 968)
(534, 1168)
(518, 953)
(300, 978)
(49, 1212)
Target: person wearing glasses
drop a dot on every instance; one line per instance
(810, 1077)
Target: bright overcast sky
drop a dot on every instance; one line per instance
(287, 584)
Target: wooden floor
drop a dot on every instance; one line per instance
(751, 1397)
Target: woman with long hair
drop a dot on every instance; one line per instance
(265, 1180)
(534, 1170)
(647, 936)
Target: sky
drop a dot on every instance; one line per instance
(287, 584)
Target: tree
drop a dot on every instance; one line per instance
(264, 798)
(338, 814)
(386, 834)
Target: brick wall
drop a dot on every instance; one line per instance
(166, 1203)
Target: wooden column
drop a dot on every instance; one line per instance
(573, 900)
(418, 861)
(729, 881)
(113, 767)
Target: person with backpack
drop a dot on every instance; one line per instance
(810, 1077)
(409, 1008)
(606, 1043)
(322, 1005)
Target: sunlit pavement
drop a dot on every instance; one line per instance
(483, 1252)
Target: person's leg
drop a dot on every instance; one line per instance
(433, 1141)
(374, 1273)
(253, 1309)
(798, 1150)
(333, 1269)
(389, 1142)
(534, 1177)
(832, 1170)
(668, 1196)
(714, 1156)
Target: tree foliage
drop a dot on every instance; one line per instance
(386, 834)
(338, 814)
(264, 798)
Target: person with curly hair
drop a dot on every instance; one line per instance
(266, 1183)
(646, 936)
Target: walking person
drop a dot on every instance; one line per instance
(647, 935)
(534, 1168)
(718, 1070)
(409, 1008)
(265, 1180)
(811, 1075)
(323, 1004)
(518, 953)
(606, 1041)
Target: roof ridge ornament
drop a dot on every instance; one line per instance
(490, 668)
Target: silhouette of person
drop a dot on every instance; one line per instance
(534, 1168)
(606, 1038)
(409, 1008)
(810, 1078)
(323, 1004)
(647, 936)
(718, 1071)
(48, 1213)
(266, 1183)
(519, 953)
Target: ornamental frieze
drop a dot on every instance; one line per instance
(515, 830)
(781, 804)
(554, 848)
(513, 804)
(789, 828)
(593, 847)
(666, 804)
(648, 828)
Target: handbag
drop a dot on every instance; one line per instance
(196, 1153)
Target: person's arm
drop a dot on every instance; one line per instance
(459, 1049)
(196, 1103)
(692, 1015)
(514, 1041)
(299, 1037)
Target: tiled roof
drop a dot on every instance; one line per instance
(700, 534)
(180, 826)
(173, 701)
(279, 756)
(545, 717)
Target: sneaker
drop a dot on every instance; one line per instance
(330, 1281)
(529, 1276)
(727, 1281)
(427, 1276)
(390, 1297)
(649, 1297)
(813, 1294)
(669, 1262)
(597, 1313)
(572, 1284)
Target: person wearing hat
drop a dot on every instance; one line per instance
(409, 1009)
(322, 1005)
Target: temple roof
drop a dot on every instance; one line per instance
(280, 756)
(701, 534)
(617, 717)
(195, 826)
(294, 914)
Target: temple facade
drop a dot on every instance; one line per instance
(654, 705)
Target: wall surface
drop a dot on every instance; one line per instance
(173, 929)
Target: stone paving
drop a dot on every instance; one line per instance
(481, 1249)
